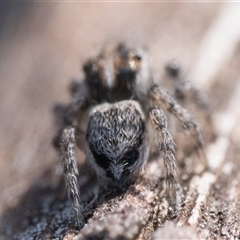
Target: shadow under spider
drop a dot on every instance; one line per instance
(44, 210)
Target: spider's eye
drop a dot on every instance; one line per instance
(136, 56)
(172, 69)
(90, 68)
(134, 62)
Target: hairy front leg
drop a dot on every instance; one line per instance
(71, 172)
(167, 146)
(160, 97)
(188, 95)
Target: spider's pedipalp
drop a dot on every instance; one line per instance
(71, 172)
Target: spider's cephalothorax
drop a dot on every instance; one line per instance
(120, 97)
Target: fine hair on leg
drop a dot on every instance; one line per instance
(71, 172)
(167, 146)
(160, 97)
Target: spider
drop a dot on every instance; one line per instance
(118, 99)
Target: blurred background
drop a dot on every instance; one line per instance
(42, 48)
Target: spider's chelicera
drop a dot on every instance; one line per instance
(119, 96)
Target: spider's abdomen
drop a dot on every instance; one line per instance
(117, 140)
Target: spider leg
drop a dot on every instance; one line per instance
(79, 92)
(160, 97)
(71, 172)
(183, 87)
(167, 146)
(66, 114)
(187, 94)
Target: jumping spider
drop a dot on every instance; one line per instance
(120, 98)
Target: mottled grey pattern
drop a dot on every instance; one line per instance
(116, 137)
(121, 94)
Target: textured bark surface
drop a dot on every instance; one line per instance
(42, 46)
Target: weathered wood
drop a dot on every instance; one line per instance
(40, 55)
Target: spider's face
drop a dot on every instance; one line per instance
(111, 76)
(116, 137)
